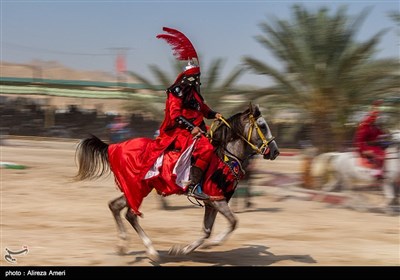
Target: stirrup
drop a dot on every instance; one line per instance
(193, 191)
(195, 203)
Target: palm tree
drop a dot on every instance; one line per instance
(213, 88)
(395, 16)
(327, 75)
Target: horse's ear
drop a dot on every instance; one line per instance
(251, 107)
(256, 111)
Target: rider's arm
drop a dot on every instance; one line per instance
(208, 113)
(175, 106)
(175, 109)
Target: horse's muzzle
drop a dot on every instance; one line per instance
(272, 152)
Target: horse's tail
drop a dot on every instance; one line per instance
(92, 159)
(321, 164)
(321, 168)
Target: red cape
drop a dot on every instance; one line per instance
(132, 159)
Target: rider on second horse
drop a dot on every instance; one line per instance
(368, 141)
(185, 112)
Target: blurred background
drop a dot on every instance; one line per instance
(69, 69)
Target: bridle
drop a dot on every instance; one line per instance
(262, 149)
(253, 125)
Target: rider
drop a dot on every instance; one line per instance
(367, 140)
(185, 112)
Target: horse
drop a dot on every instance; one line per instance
(235, 141)
(334, 171)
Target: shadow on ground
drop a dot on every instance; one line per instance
(249, 255)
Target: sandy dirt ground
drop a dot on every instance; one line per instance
(66, 223)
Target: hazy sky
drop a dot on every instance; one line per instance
(85, 34)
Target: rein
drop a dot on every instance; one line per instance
(253, 125)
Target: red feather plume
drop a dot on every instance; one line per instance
(181, 45)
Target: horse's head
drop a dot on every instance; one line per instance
(245, 134)
(258, 134)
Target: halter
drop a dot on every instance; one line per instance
(253, 125)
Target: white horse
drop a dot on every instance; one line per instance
(336, 171)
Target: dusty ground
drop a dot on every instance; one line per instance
(64, 223)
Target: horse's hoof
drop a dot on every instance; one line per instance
(175, 250)
(153, 255)
(210, 244)
(206, 246)
(121, 250)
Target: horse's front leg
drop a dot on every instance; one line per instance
(391, 194)
(151, 252)
(222, 206)
(116, 207)
(210, 214)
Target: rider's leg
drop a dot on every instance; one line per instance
(202, 155)
(379, 162)
(193, 188)
(376, 156)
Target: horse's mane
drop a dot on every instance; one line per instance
(222, 135)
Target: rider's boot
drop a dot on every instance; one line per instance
(193, 189)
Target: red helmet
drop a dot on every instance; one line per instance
(192, 68)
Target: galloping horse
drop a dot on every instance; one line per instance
(335, 170)
(235, 141)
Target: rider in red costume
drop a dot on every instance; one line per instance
(185, 112)
(367, 139)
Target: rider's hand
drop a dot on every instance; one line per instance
(196, 130)
(218, 115)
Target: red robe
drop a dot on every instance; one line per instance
(183, 137)
(365, 135)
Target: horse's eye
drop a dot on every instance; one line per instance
(263, 126)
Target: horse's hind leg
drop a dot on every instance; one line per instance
(210, 214)
(333, 184)
(151, 252)
(391, 194)
(223, 207)
(116, 206)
